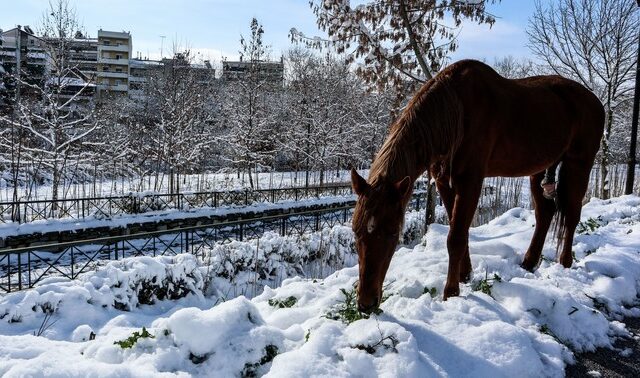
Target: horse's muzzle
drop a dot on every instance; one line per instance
(368, 308)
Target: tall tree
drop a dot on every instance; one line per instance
(401, 42)
(249, 105)
(593, 42)
(56, 122)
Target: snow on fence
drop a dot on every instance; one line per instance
(137, 203)
(22, 268)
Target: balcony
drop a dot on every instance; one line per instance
(121, 61)
(113, 74)
(120, 48)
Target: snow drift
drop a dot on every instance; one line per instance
(507, 321)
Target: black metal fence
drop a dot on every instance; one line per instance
(107, 207)
(22, 268)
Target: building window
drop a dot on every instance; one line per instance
(106, 42)
(118, 69)
(118, 56)
(105, 68)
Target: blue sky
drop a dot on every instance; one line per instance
(212, 28)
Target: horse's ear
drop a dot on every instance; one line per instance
(359, 185)
(404, 187)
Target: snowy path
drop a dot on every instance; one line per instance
(525, 325)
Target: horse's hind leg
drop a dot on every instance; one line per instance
(572, 186)
(544, 210)
(448, 198)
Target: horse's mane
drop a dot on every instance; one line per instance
(430, 126)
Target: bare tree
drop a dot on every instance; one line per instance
(513, 68)
(593, 42)
(58, 118)
(250, 105)
(323, 110)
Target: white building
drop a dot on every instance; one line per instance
(114, 52)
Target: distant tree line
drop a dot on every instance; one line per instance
(331, 112)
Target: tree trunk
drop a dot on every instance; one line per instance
(605, 189)
(430, 210)
(54, 186)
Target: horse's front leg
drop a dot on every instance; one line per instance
(466, 201)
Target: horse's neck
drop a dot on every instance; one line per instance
(412, 158)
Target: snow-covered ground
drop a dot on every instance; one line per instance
(507, 322)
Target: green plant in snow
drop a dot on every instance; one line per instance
(388, 343)
(283, 303)
(590, 225)
(486, 284)
(347, 311)
(251, 370)
(130, 341)
(431, 291)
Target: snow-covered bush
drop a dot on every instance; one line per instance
(123, 285)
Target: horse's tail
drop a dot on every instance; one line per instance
(561, 200)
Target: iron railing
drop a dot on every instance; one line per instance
(25, 267)
(107, 207)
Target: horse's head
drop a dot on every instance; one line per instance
(377, 223)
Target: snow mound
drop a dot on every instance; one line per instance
(507, 322)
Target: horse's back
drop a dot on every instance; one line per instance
(523, 125)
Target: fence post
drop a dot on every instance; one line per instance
(73, 262)
(283, 231)
(19, 271)
(8, 272)
(29, 268)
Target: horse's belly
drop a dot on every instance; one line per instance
(525, 155)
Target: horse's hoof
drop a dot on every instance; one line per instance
(529, 267)
(566, 263)
(451, 291)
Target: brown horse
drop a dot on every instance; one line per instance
(466, 124)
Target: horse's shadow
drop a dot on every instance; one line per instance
(442, 356)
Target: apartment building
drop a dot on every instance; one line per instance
(139, 72)
(83, 55)
(22, 49)
(238, 70)
(114, 53)
(100, 66)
